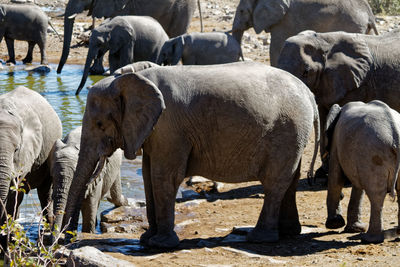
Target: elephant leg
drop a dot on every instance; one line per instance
(114, 61)
(97, 67)
(43, 56)
(335, 185)
(289, 223)
(322, 172)
(116, 196)
(398, 211)
(276, 185)
(28, 58)
(374, 233)
(89, 210)
(354, 224)
(10, 48)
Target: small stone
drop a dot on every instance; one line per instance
(90, 256)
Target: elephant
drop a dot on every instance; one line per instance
(285, 18)
(201, 120)
(135, 67)
(200, 49)
(341, 67)
(128, 39)
(174, 15)
(370, 159)
(62, 164)
(29, 127)
(26, 23)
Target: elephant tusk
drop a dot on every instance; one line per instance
(73, 16)
(97, 172)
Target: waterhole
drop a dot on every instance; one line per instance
(59, 90)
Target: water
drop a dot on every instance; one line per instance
(59, 90)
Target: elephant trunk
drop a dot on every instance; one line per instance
(86, 165)
(5, 179)
(68, 26)
(90, 57)
(237, 34)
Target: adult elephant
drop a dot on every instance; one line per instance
(341, 67)
(285, 18)
(240, 110)
(62, 164)
(128, 39)
(173, 15)
(29, 126)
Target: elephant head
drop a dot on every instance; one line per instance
(20, 145)
(115, 36)
(120, 113)
(259, 14)
(73, 8)
(332, 65)
(108, 9)
(172, 51)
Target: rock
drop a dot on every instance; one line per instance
(185, 195)
(92, 257)
(123, 213)
(39, 69)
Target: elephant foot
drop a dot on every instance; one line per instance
(263, 236)
(12, 61)
(169, 240)
(357, 227)
(27, 60)
(321, 173)
(372, 238)
(144, 238)
(95, 70)
(336, 222)
(289, 228)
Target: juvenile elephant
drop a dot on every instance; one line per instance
(29, 126)
(200, 49)
(230, 122)
(62, 163)
(128, 39)
(285, 18)
(174, 15)
(341, 67)
(370, 159)
(26, 23)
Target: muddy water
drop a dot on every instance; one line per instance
(59, 90)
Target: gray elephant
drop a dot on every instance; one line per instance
(285, 18)
(341, 67)
(200, 49)
(29, 126)
(135, 67)
(174, 15)
(201, 120)
(62, 162)
(26, 23)
(128, 39)
(370, 159)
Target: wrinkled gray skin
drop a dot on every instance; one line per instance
(174, 15)
(29, 126)
(285, 18)
(370, 159)
(201, 120)
(25, 23)
(341, 67)
(200, 49)
(128, 39)
(135, 67)
(62, 161)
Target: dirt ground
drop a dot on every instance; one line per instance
(202, 227)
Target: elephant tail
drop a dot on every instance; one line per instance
(310, 174)
(54, 29)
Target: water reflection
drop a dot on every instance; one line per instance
(59, 90)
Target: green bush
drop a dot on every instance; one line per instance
(388, 7)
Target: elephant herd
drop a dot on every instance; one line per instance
(228, 121)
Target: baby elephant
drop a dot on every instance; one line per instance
(364, 146)
(63, 160)
(26, 23)
(200, 49)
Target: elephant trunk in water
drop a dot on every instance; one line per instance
(89, 59)
(84, 171)
(72, 9)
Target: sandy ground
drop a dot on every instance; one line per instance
(204, 226)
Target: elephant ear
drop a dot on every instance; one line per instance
(107, 8)
(177, 48)
(268, 13)
(31, 141)
(141, 104)
(121, 36)
(331, 121)
(347, 65)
